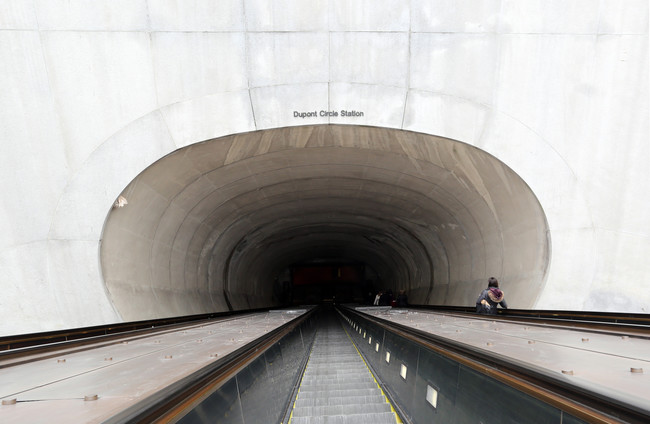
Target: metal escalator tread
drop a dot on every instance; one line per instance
(385, 418)
(337, 387)
(342, 400)
(315, 411)
(323, 387)
(336, 393)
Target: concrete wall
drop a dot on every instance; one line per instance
(92, 93)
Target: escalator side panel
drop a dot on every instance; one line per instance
(462, 394)
(260, 392)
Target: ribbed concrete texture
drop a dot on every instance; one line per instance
(337, 387)
(166, 157)
(224, 218)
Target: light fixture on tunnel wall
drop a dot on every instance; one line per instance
(120, 202)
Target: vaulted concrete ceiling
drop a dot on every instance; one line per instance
(209, 226)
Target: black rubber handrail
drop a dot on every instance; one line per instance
(49, 337)
(589, 316)
(22, 341)
(603, 322)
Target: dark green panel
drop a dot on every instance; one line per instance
(442, 375)
(482, 399)
(402, 352)
(221, 406)
(255, 391)
(570, 419)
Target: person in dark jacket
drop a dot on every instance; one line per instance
(490, 298)
(402, 299)
(385, 298)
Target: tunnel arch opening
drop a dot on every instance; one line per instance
(217, 225)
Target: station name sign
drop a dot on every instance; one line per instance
(327, 114)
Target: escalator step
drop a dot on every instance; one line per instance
(384, 418)
(315, 411)
(330, 379)
(338, 386)
(347, 400)
(338, 393)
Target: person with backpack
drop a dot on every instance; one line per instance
(490, 298)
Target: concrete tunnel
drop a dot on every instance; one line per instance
(108, 99)
(211, 226)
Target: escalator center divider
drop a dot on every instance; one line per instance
(337, 383)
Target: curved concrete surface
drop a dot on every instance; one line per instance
(215, 223)
(93, 93)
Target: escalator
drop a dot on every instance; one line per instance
(302, 365)
(337, 386)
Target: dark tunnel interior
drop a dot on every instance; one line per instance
(313, 213)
